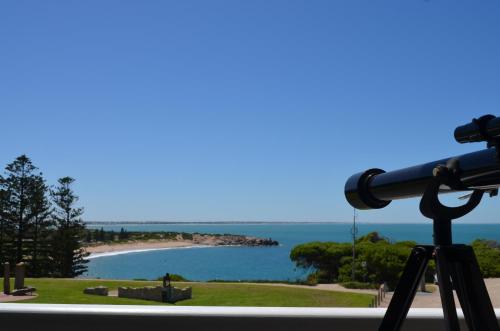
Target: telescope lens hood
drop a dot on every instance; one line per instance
(357, 190)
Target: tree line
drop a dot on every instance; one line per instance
(377, 260)
(99, 235)
(40, 225)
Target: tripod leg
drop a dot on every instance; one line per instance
(471, 290)
(458, 280)
(406, 289)
(446, 289)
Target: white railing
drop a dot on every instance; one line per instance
(149, 318)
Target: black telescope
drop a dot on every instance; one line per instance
(375, 188)
(457, 267)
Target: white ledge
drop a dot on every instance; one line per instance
(110, 317)
(217, 311)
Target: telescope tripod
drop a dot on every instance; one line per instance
(456, 265)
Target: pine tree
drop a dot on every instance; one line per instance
(40, 212)
(18, 186)
(123, 234)
(88, 236)
(6, 229)
(68, 254)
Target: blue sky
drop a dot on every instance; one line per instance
(241, 110)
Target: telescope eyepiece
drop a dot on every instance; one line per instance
(485, 128)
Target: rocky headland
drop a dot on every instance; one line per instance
(140, 241)
(232, 240)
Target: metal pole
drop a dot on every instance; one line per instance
(354, 231)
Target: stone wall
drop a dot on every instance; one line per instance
(175, 294)
(161, 294)
(100, 290)
(144, 293)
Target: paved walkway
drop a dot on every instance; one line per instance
(321, 287)
(11, 298)
(339, 288)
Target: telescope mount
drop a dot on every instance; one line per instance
(456, 265)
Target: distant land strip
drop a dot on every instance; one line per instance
(209, 222)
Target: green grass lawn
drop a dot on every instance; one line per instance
(204, 294)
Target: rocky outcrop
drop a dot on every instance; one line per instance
(232, 240)
(151, 240)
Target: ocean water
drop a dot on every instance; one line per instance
(254, 263)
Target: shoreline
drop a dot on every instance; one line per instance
(137, 247)
(124, 252)
(148, 246)
(173, 240)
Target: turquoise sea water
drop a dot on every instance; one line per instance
(253, 263)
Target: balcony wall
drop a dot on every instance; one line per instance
(142, 318)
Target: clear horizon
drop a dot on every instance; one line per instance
(426, 222)
(259, 110)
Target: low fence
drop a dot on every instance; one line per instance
(377, 300)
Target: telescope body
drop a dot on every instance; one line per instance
(375, 188)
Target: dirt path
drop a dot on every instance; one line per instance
(11, 298)
(339, 288)
(320, 287)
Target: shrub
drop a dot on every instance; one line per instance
(359, 285)
(488, 257)
(377, 260)
(187, 236)
(174, 278)
(312, 279)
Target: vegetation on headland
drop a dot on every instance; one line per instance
(377, 260)
(40, 225)
(101, 236)
(70, 291)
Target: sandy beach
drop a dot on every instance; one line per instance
(139, 246)
(197, 240)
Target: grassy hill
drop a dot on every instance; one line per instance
(204, 294)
